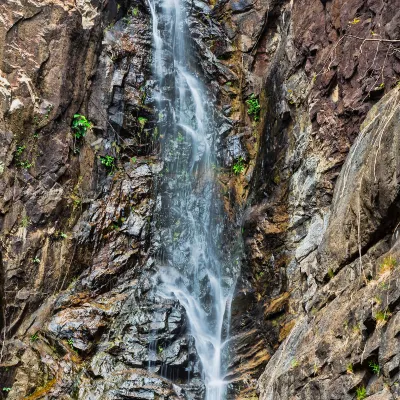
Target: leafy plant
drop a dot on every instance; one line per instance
(36, 260)
(80, 126)
(6, 389)
(133, 160)
(294, 363)
(108, 161)
(142, 121)
(361, 393)
(25, 164)
(376, 369)
(20, 150)
(159, 349)
(63, 235)
(253, 107)
(34, 337)
(331, 273)
(70, 341)
(238, 167)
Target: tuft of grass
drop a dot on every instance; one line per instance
(35, 337)
(388, 264)
(382, 317)
(349, 368)
(361, 393)
(25, 222)
(376, 369)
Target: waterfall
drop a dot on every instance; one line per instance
(190, 217)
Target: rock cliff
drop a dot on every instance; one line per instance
(315, 206)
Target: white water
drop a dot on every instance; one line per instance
(191, 270)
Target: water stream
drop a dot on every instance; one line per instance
(191, 215)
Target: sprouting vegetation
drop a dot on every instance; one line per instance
(254, 107)
(238, 167)
(80, 126)
(20, 150)
(36, 260)
(108, 162)
(34, 337)
(6, 389)
(349, 368)
(388, 264)
(142, 121)
(25, 221)
(331, 273)
(294, 363)
(376, 369)
(355, 21)
(361, 393)
(382, 317)
(70, 341)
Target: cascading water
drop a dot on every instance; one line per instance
(190, 215)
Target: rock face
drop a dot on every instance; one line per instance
(315, 315)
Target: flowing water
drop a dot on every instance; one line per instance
(190, 212)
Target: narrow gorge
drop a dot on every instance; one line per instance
(200, 199)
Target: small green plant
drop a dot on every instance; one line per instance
(25, 221)
(70, 341)
(34, 337)
(135, 11)
(108, 162)
(382, 317)
(238, 167)
(20, 150)
(142, 122)
(294, 363)
(63, 235)
(133, 160)
(180, 138)
(349, 368)
(331, 273)
(254, 107)
(355, 21)
(6, 389)
(80, 126)
(357, 328)
(159, 349)
(361, 393)
(25, 164)
(389, 263)
(376, 369)
(36, 260)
